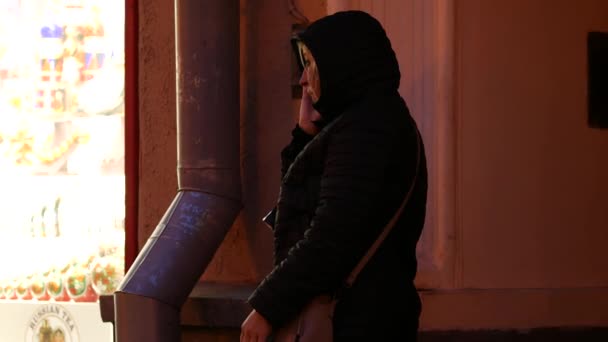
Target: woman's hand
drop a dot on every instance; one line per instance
(255, 328)
(307, 115)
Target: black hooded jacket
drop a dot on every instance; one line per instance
(340, 188)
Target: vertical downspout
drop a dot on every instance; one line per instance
(148, 301)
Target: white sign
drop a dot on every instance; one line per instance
(52, 323)
(30, 321)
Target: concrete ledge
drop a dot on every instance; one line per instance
(196, 334)
(448, 315)
(223, 306)
(217, 305)
(210, 305)
(513, 309)
(534, 335)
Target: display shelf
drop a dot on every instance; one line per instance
(61, 166)
(75, 116)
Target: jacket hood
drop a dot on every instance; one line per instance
(354, 58)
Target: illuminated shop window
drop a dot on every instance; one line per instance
(61, 149)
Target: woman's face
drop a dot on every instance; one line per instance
(310, 76)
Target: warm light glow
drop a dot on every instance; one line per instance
(61, 147)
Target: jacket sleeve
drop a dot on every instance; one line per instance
(342, 228)
(299, 139)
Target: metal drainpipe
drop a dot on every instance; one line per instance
(148, 301)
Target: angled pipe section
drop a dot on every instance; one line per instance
(148, 301)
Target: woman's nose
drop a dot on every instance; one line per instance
(304, 78)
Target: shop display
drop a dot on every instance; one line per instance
(61, 149)
(9, 289)
(55, 288)
(38, 287)
(106, 274)
(78, 284)
(23, 288)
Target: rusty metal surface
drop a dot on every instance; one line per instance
(181, 247)
(149, 299)
(106, 308)
(188, 235)
(207, 60)
(145, 319)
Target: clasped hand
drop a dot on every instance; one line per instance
(255, 328)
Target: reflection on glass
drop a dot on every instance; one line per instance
(61, 148)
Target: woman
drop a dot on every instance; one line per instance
(350, 163)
